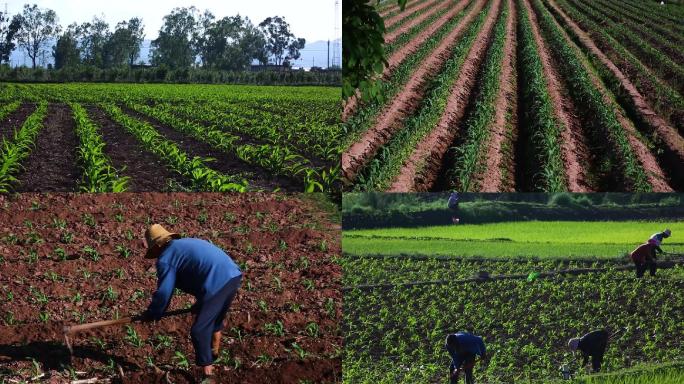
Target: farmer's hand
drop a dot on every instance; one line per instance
(146, 317)
(454, 374)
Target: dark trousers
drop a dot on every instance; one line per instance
(596, 361)
(211, 312)
(641, 268)
(467, 367)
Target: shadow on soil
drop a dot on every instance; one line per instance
(53, 355)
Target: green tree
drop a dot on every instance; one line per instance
(38, 27)
(8, 30)
(231, 43)
(94, 37)
(363, 52)
(66, 51)
(123, 46)
(175, 45)
(281, 44)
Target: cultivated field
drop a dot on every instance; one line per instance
(143, 137)
(402, 299)
(70, 259)
(523, 95)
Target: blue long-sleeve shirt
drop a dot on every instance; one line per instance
(469, 346)
(194, 266)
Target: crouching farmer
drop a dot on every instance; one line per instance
(463, 348)
(644, 257)
(203, 270)
(593, 345)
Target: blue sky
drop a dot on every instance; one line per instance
(311, 19)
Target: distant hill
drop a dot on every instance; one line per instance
(315, 53)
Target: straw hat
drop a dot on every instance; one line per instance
(156, 238)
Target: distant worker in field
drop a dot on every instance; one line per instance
(644, 257)
(593, 345)
(657, 239)
(453, 206)
(203, 270)
(464, 348)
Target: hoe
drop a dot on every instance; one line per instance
(69, 330)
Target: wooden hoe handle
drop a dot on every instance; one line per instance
(104, 323)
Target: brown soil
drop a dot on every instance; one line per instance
(391, 36)
(573, 149)
(52, 164)
(654, 173)
(252, 228)
(669, 135)
(404, 104)
(410, 9)
(15, 120)
(421, 169)
(226, 163)
(395, 7)
(491, 180)
(146, 171)
(349, 106)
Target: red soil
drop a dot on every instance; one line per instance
(491, 179)
(667, 133)
(573, 150)
(391, 36)
(421, 169)
(52, 164)
(404, 104)
(395, 7)
(251, 227)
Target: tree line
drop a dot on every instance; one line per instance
(188, 38)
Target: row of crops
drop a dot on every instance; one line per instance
(290, 135)
(524, 95)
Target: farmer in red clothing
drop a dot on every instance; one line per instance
(645, 257)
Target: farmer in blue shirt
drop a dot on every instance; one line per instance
(463, 348)
(203, 270)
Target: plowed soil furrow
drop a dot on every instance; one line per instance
(654, 173)
(15, 120)
(400, 54)
(52, 164)
(227, 163)
(406, 102)
(492, 178)
(669, 135)
(394, 8)
(421, 170)
(391, 36)
(392, 20)
(349, 106)
(572, 148)
(147, 172)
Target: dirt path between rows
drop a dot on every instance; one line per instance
(227, 163)
(395, 7)
(147, 172)
(15, 120)
(506, 103)
(573, 149)
(52, 164)
(421, 170)
(350, 106)
(405, 103)
(667, 133)
(435, 7)
(654, 173)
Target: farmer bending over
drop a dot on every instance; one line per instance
(463, 348)
(657, 239)
(644, 256)
(592, 344)
(201, 269)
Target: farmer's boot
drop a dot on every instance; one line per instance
(209, 377)
(215, 344)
